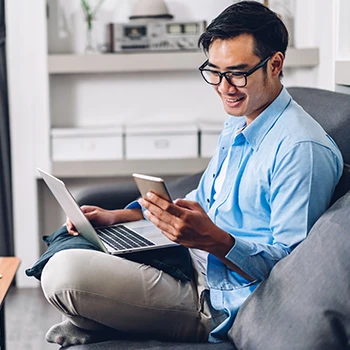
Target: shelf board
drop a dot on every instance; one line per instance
(342, 72)
(127, 167)
(301, 58)
(130, 62)
(160, 61)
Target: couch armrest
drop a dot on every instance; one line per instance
(108, 196)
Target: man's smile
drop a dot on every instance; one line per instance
(233, 101)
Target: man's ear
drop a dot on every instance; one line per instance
(277, 61)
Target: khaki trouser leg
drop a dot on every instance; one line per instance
(94, 289)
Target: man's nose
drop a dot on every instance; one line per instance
(225, 86)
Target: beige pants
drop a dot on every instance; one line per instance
(95, 289)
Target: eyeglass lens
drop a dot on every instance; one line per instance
(214, 78)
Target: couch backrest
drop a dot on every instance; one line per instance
(331, 110)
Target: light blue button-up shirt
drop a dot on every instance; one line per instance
(281, 174)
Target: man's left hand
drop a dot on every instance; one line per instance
(185, 222)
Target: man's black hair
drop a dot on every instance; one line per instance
(248, 17)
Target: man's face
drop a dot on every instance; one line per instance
(237, 55)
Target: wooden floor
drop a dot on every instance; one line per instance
(28, 317)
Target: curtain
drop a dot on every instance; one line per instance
(6, 223)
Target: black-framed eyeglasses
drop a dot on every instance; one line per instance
(237, 79)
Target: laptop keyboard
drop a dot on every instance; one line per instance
(120, 238)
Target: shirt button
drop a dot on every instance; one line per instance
(208, 200)
(213, 175)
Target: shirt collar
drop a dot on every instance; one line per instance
(257, 130)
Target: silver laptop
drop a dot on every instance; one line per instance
(116, 239)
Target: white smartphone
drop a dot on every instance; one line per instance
(154, 184)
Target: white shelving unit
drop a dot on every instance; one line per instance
(144, 62)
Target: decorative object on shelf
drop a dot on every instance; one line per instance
(150, 10)
(148, 36)
(90, 14)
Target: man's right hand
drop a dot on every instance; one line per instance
(103, 217)
(96, 215)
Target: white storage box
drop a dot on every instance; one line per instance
(74, 144)
(161, 141)
(209, 135)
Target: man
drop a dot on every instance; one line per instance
(272, 176)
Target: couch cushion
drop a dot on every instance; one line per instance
(180, 187)
(331, 109)
(304, 303)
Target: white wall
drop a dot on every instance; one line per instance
(28, 99)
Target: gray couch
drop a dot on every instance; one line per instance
(304, 304)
